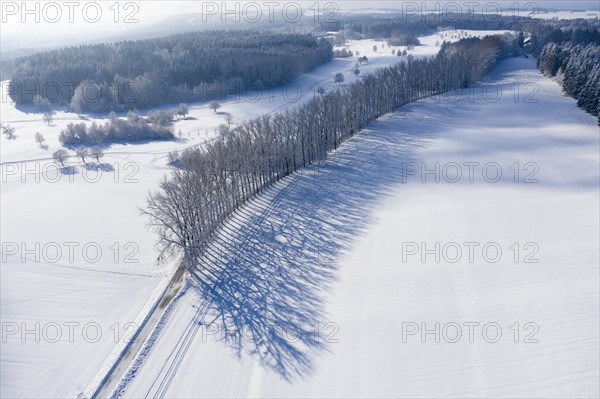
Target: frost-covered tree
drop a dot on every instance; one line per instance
(579, 66)
(48, 118)
(97, 153)
(42, 104)
(229, 119)
(82, 152)
(173, 157)
(161, 117)
(113, 118)
(133, 116)
(183, 110)
(90, 96)
(39, 138)
(60, 156)
(134, 128)
(214, 105)
(343, 53)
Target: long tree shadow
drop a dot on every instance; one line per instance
(267, 270)
(99, 166)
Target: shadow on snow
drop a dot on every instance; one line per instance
(272, 263)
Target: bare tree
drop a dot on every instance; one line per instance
(229, 119)
(82, 152)
(173, 157)
(356, 72)
(223, 129)
(8, 131)
(97, 153)
(48, 118)
(39, 138)
(214, 105)
(375, 49)
(60, 156)
(338, 78)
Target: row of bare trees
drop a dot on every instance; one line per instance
(214, 180)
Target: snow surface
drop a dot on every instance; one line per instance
(561, 292)
(91, 208)
(358, 208)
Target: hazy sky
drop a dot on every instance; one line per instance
(49, 23)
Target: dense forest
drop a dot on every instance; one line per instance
(574, 56)
(186, 67)
(570, 50)
(579, 68)
(215, 179)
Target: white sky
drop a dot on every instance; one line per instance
(74, 20)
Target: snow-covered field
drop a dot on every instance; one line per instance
(523, 323)
(429, 44)
(67, 315)
(79, 268)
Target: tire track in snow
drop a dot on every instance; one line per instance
(119, 367)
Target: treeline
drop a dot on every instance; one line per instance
(408, 27)
(573, 53)
(399, 38)
(131, 129)
(579, 67)
(343, 53)
(185, 67)
(577, 32)
(215, 179)
(404, 29)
